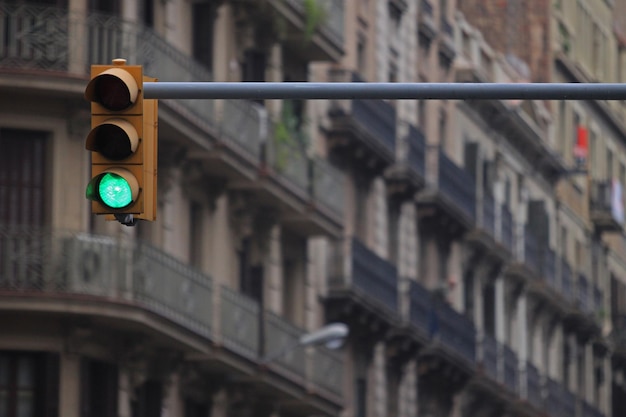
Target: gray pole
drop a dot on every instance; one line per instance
(394, 91)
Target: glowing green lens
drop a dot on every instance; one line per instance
(114, 191)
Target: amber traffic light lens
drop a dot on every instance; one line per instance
(112, 93)
(112, 142)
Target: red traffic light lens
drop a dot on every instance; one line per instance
(112, 93)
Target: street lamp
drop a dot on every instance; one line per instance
(332, 336)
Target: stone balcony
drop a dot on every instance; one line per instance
(126, 285)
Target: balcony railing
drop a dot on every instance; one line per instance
(489, 356)
(421, 309)
(379, 118)
(598, 299)
(455, 331)
(606, 212)
(359, 269)
(53, 40)
(417, 151)
(549, 269)
(567, 284)
(510, 367)
(507, 228)
(375, 120)
(588, 410)
(328, 186)
(99, 269)
(457, 185)
(533, 386)
(559, 401)
(582, 294)
(489, 214)
(333, 17)
(446, 27)
(426, 7)
(619, 331)
(531, 252)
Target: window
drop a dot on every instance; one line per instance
(361, 208)
(593, 153)
(28, 384)
(443, 127)
(575, 125)
(22, 177)
(609, 164)
(421, 114)
(250, 276)
(489, 309)
(203, 20)
(148, 400)
(98, 396)
(105, 6)
(147, 11)
(361, 54)
(196, 234)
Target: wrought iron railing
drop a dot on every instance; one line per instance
(379, 119)
(446, 27)
(489, 214)
(582, 293)
(240, 324)
(567, 284)
(457, 185)
(56, 41)
(589, 410)
(426, 7)
(560, 402)
(549, 269)
(510, 367)
(533, 386)
(531, 252)
(327, 369)
(506, 233)
(356, 269)
(489, 356)
(280, 336)
(328, 186)
(332, 21)
(455, 331)
(291, 162)
(244, 122)
(376, 119)
(417, 151)
(598, 299)
(82, 266)
(374, 276)
(421, 307)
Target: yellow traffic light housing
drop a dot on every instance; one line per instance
(123, 143)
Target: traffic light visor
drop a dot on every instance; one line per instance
(115, 89)
(115, 188)
(116, 139)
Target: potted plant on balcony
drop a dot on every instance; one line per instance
(289, 136)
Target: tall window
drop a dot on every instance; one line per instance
(22, 177)
(203, 19)
(28, 384)
(99, 389)
(361, 54)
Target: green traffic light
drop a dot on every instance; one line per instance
(114, 191)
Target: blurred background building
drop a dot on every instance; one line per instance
(475, 248)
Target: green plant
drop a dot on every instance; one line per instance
(314, 15)
(288, 136)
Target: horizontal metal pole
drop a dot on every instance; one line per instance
(393, 91)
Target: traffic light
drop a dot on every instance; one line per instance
(123, 143)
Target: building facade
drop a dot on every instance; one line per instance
(474, 249)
